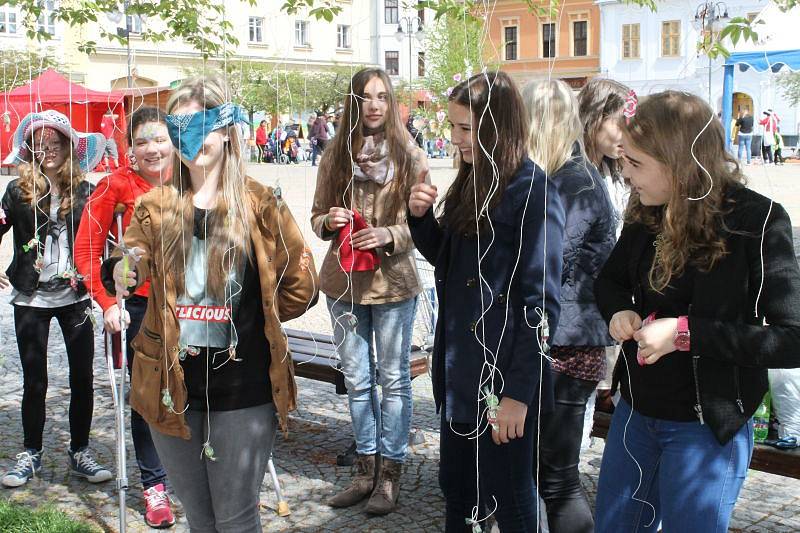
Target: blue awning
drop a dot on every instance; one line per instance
(767, 60)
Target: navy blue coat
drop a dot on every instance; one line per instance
(589, 237)
(520, 274)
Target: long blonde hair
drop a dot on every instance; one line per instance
(667, 126)
(230, 221)
(554, 124)
(35, 186)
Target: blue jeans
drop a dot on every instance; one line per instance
(386, 422)
(150, 467)
(745, 142)
(689, 481)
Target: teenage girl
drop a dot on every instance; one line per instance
(702, 265)
(496, 247)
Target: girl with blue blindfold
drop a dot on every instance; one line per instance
(227, 265)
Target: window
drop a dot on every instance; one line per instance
(421, 64)
(549, 39)
(630, 41)
(342, 36)
(8, 22)
(580, 38)
(256, 26)
(47, 20)
(392, 63)
(510, 42)
(300, 33)
(671, 38)
(391, 13)
(421, 15)
(134, 22)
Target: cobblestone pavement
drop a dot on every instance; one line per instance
(306, 460)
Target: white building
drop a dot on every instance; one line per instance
(401, 54)
(265, 33)
(655, 51)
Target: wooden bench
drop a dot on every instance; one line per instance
(765, 458)
(314, 357)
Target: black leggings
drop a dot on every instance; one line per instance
(32, 326)
(568, 508)
(766, 153)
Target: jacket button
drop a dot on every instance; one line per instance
(501, 298)
(472, 326)
(471, 283)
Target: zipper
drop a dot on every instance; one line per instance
(698, 408)
(738, 389)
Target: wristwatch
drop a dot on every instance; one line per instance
(682, 343)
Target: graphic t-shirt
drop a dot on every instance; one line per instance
(53, 290)
(206, 321)
(215, 378)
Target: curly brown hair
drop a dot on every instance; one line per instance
(34, 185)
(680, 131)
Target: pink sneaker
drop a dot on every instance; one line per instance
(158, 513)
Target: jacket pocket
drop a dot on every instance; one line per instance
(146, 383)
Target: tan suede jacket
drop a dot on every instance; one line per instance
(396, 279)
(280, 253)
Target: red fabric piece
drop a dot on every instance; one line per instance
(98, 220)
(351, 259)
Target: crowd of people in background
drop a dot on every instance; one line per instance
(598, 248)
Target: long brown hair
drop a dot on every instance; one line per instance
(667, 126)
(229, 222)
(599, 99)
(502, 132)
(336, 166)
(34, 185)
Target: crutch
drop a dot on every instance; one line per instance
(283, 507)
(119, 395)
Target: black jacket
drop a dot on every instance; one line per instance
(589, 237)
(494, 317)
(19, 215)
(731, 348)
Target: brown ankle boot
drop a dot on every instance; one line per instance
(361, 486)
(387, 488)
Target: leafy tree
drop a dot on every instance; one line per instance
(18, 67)
(790, 83)
(453, 50)
(200, 23)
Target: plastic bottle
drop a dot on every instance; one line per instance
(761, 420)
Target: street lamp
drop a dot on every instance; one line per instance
(405, 29)
(710, 18)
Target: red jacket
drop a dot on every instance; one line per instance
(261, 136)
(123, 186)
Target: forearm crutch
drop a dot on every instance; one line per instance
(119, 396)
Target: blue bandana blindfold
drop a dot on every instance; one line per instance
(188, 132)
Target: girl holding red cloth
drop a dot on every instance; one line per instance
(150, 167)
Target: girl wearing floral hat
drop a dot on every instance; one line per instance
(44, 207)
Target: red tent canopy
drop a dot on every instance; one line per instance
(84, 107)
